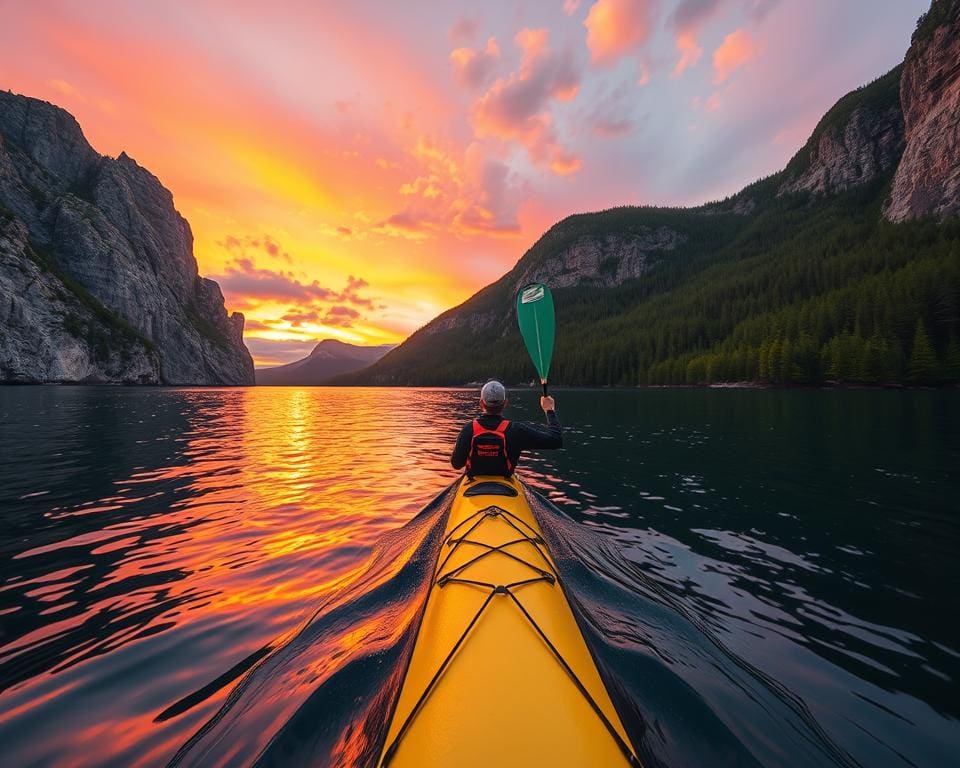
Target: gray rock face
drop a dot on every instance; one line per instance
(928, 177)
(870, 145)
(112, 243)
(602, 262)
(48, 333)
(917, 138)
(472, 321)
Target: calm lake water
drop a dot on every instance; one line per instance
(157, 542)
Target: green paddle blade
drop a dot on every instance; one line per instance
(537, 326)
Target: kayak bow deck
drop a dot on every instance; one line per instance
(500, 673)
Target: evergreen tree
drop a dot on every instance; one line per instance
(807, 359)
(923, 359)
(869, 362)
(775, 367)
(790, 371)
(951, 361)
(763, 369)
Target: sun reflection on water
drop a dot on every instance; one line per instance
(189, 524)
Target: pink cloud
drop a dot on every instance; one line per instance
(686, 21)
(474, 67)
(315, 313)
(736, 50)
(612, 115)
(570, 7)
(272, 247)
(517, 107)
(404, 220)
(463, 192)
(564, 163)
(617, 27)
(490, 195)
(692, 13)
(265, 243)
(296, 319)
(351, 293)
(66, 89)
(308, 312)
(406, 225)
(340, 316)
(612, 127)
(426, 186)
(242, 280)
(464, 30)
(711, 104)
(758, 9)
(690, 52)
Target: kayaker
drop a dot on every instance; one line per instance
(491, 445)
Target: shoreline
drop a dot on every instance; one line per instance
(738, 385)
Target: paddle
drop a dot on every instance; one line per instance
(537, 326)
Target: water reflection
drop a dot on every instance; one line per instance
(765, 515)
(158, 542)
(170, 534)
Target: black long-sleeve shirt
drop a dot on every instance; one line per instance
(520, 436)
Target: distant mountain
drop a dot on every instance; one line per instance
(329, 358)
(98, 281)
(843, 267)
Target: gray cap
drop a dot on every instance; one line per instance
(493, 393)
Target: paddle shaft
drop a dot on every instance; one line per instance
(536, 323)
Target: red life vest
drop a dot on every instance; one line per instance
(488, 451)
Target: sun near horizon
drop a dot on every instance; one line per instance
(351, 171)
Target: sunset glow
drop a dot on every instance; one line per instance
(352, 170)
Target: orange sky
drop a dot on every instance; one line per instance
(352, 170)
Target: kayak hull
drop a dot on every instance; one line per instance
(500, 673)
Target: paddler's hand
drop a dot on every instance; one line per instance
(546, 402)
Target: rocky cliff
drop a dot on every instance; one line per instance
(97, 276)
(907, 121)
(602, 262)
(572, 258)
(927, 180)
(858, 140)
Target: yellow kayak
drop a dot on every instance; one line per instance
(500, 674)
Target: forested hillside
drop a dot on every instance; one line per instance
(806, 290)
(811, 291)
